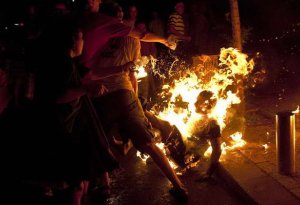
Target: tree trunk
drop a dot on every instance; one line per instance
(237, 43)
(236, 26)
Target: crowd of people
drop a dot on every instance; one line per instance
(74, 94)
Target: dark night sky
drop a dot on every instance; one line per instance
(264, 15)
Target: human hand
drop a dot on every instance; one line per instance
(129, 67)
(169, 44)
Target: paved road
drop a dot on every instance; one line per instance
(144, 184)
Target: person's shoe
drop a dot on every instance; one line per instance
(181, 194)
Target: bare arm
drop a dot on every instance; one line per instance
(150, 37)
(215, 155)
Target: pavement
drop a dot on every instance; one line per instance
(252, 170)
(249, 172)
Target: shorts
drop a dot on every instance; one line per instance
(122, 110)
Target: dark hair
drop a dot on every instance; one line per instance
(127, 11)
(206, 95)
(109, 9)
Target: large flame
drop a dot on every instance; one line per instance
(161, 146)
(224, 81)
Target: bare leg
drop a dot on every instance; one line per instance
(85, 187)
(77, 194)
(162, 162)
(105, 179)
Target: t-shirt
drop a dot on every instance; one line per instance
(119, 51)
(106, 45)
(115, 48)
(98, 29)
(177, 22)
(207, 129)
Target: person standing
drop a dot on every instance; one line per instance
(177, 31)
(131, 16)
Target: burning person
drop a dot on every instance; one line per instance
(207, 129)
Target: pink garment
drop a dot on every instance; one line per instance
(98, 29)
(4, 94)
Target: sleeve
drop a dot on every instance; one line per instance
(96, 38)
(118, 30)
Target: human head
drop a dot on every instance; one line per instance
(94, 5)
(61, 7)
(120, 13)
(155, 15)
(76, 50)
(205, 102)
(141, 25)
(179, 7)
(133, 12)
(112, 9)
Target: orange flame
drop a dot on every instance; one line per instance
(223, 81)
(296, 111)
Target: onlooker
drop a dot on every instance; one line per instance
(156, 24)
(131, 16)
(177, 31)
(200, 27)
(65, 140)
(177, 24)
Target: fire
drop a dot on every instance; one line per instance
(265, 146)
(180, 110)
(236, 142)
(141, 72)
(141, 63)
(143, 157)
(296, 111)
(161, 146)
(223, 81)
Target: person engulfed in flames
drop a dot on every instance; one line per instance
(207, 129)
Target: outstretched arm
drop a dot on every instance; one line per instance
(151, 37)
